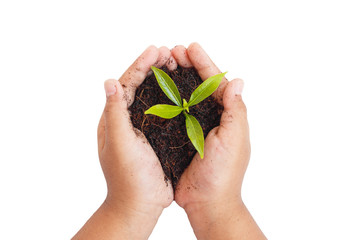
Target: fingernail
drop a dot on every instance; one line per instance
(239, 86)
(110, 87)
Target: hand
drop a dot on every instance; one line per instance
(137, 191)
(132, 170)
(210, 188)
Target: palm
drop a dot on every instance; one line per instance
(143, 172)
(209, 178)
(150, 176)
(227, 153)
(198, 179)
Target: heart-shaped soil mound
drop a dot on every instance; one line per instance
(168, 137)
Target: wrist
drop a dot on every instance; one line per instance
(205, 217)
(213, 206)
(131, 215)
(133, 207)
(117, 221)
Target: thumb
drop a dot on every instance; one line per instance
(233, 121)
(116, 115)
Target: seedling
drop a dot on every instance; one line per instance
(204, 90)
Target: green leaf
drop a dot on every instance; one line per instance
(205, 89)
(185, 105)
(167, 85)
(195, 133)
(164, 110)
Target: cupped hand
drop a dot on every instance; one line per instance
(137, 191)
(210, 188)
(133, 173)
(218, 176)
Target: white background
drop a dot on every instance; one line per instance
(301, 64)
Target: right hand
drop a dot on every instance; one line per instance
(210, 188)
(218, 176)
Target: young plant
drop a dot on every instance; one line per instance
(204, 90)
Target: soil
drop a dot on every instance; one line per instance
(168, 137)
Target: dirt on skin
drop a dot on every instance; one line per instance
(168, 137)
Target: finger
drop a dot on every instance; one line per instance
(164, 55)
(116, 116)
(136, 73)
(201, 61)
(206, 68)
(171, 64)
(181, 57)
(233, 123)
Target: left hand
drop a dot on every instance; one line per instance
(132, 170)
(137, 191)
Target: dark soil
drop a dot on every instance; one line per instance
(168, 137)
